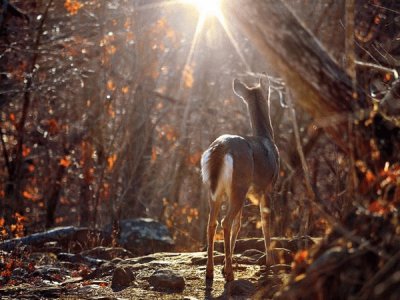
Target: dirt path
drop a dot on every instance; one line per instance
(66, 280)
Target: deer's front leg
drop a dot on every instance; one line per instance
(264, 212)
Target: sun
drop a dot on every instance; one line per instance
(207, 7)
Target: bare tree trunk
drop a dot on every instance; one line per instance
(87, 180)
(54, 197)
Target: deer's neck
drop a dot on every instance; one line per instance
(260, 119)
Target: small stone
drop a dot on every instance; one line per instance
(167, 279)
(48, 271)
(253, 253)
(116, 260)
(19, 272)
(122, 278)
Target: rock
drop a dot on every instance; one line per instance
(253, 253)
(280, 268)
(79, 259)
(218, 259)
(49, 272)
(116, 260)
(107, 253)
(241, 287)
(145, 259)
(122, 278)
(143, 236)
(19, 272)
(105, 269)
(168, 280)
(293, 244)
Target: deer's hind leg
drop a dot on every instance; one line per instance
(237, 222)
(236, 203)
(215, 205)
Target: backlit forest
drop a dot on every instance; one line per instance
(107, 106)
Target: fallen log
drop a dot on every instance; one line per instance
(65, 236)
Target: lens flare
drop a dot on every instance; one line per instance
(207, 7)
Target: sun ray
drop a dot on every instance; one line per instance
(199, 27)
(206, 7)
(229, 34)
(158, 5)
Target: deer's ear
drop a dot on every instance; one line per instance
(240, 89)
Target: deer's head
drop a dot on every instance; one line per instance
(257, 93)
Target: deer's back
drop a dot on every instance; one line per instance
(266, 161)
(255, 161)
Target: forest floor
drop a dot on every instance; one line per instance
(108, 273)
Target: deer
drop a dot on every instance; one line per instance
(239, 167)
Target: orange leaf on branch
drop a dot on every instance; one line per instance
(125, 89)
(153, 154)
(188, 76)
(111, 161)
(301, 256)
(194, 158)
(31, 196)
(379, 207)
(25, 151)
(65, 162)
(72, 6)
(110, 85)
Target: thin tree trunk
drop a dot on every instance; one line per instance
(54, 197)
(349, 42)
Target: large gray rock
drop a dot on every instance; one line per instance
(167, 280)
(143, 236)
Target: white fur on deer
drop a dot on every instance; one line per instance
(239, 166)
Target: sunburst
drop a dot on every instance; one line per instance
(206, 8)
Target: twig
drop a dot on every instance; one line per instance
(300, 148)
(378, 67)
(349, 42)
(5, 154)
(393, 93)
